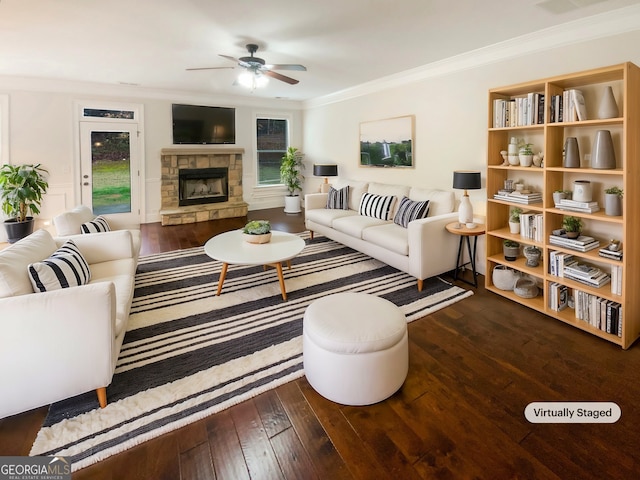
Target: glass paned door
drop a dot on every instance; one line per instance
(109, 168)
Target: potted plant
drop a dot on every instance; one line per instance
(572, 225)
(514, 220)
(21, 191)
(511, 250)
(525, 154)
(560, 195)
(613, 201)
(291, 174)
(257, 231)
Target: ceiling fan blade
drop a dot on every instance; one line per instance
(209, 68)
(228, 57)
(287, 66)
(282, 78)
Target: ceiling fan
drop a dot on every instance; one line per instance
(258, 66)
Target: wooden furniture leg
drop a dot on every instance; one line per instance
(420, 284)
(281, 279)
(223, 274)
(102, 396)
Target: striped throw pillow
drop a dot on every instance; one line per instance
(410, 210)
(65, 268)
(338, 199)
(376, 206)
(97, 225)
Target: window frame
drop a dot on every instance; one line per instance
(268, 116)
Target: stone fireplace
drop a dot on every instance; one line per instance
(201, 184)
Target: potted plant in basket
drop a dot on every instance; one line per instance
(257, 231)
(514, 220)
(21, 191)
(613, 201)
(572, 225)
(291, 174)
(511, 250)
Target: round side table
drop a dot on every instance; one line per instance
(463, 232)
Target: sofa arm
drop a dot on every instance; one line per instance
(55, 345)
(432, 250)
(103, 247)
(313, 201)
(117, 223)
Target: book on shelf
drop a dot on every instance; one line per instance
(557, 261)
(574, 206)
(616, 279)
(581, 244)
(600, 313)
(612, 254)
(558, 297)
(579, 240)
(577, 99)
(597, 282)
(518, 197)
(531, 226)
(518, 111)
(583, 270)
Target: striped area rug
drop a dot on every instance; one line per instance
(188, 354)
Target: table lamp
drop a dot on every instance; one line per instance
(466, 180)
(325, 170)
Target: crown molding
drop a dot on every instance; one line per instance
(78, 88)
(590, 28)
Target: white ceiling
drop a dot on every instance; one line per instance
(343, 43)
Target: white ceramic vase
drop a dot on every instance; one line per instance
(608, 107)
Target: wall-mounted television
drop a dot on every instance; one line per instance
(196, 124)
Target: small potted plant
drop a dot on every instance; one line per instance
(511, 250)
(291, 175)
(21, 191)
(572, 225)
(525, 154)
(257, 231)
(561, 195)
(514, 220)
(613, 201)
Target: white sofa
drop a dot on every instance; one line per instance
(423, 249)
(61, 343)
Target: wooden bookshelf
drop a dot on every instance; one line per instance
(549, 137)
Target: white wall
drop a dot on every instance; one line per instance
(43, 129)
(451, 112)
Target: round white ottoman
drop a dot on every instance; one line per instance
(355, 348)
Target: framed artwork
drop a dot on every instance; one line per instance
(387, 143)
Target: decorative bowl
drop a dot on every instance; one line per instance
(526, 288)
(262, 238)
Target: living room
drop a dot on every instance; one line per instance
(448, 100)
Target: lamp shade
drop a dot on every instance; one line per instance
(466, 180)
(325, 169)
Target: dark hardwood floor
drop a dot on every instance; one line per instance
(474, 367)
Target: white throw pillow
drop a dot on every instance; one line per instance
(65, 268)
(70, 223)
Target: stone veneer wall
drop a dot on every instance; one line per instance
(176, 158)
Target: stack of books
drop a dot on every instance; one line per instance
(582, 244)
(519, 197)
(586, 274)
(574, 206)
(613, 254)
(557, 261)
(558, 296)
(531, 226)
(600, 313)
(616, 279)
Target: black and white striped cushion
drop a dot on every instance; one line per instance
(376, 206)
(408, 210)
(65, 268)
(97, 225)
(338, 199)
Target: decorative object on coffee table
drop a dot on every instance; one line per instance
(257, 231)
(613, 201)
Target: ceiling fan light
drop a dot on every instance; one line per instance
(246, 79)
(261, 81)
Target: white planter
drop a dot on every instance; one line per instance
(292, 204)
(514, 227)
(525, 160)
(612, 204)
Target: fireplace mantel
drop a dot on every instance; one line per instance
(178, 157)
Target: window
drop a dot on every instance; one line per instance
(272, 141)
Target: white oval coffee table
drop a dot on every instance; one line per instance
(230, 249)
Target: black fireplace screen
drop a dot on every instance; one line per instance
(203, 185)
